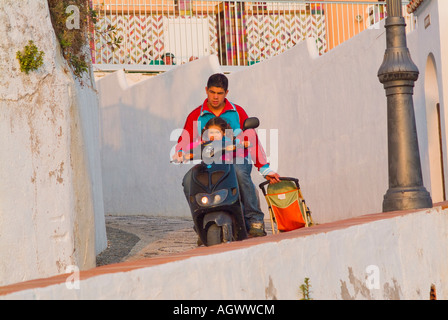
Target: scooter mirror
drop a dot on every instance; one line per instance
(251, 123)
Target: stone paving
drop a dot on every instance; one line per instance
(132, 238)
(136, 237)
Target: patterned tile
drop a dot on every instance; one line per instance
(267, 35)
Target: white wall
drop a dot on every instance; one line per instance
(50, 195)
(386, 258)
(420, 49)
(85, 97)
(330, 113)
(138, 125)
(431, 43)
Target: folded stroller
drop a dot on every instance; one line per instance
(287, 208)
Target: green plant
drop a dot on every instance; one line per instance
(305, 290)
(31, 58)
(74, 41)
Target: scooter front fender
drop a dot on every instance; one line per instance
(219, 217)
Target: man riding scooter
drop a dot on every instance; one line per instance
(217, 105)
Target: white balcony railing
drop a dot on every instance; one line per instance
(240, 33)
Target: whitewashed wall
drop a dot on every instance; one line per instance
(330, 113)
(431, 43)
(51, 206)
(343, 263)
(140, 124)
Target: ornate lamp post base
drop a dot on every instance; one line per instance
(397, 199)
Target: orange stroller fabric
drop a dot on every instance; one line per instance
(289, 218)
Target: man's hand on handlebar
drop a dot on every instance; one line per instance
(244, 144)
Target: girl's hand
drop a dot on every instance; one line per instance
(178, 157)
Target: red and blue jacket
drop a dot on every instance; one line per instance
(235, 116)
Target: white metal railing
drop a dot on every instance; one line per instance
(135, 34)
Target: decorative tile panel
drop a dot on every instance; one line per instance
(269, 35)
(144, 38)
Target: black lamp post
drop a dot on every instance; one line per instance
(398, 74)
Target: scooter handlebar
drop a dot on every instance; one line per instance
(213, 149)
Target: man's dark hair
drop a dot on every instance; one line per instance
(218, 80)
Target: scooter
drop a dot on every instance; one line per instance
(214, 198)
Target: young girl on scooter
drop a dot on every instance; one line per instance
(217, 129)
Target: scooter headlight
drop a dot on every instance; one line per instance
(207, 200)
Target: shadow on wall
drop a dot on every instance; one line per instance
(137, 175)
(139, 129)
(329, 112)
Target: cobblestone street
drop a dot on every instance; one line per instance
(136, 237)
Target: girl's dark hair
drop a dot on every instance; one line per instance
(218, 80)
(218, 122)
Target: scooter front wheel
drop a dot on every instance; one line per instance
(217, 234)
